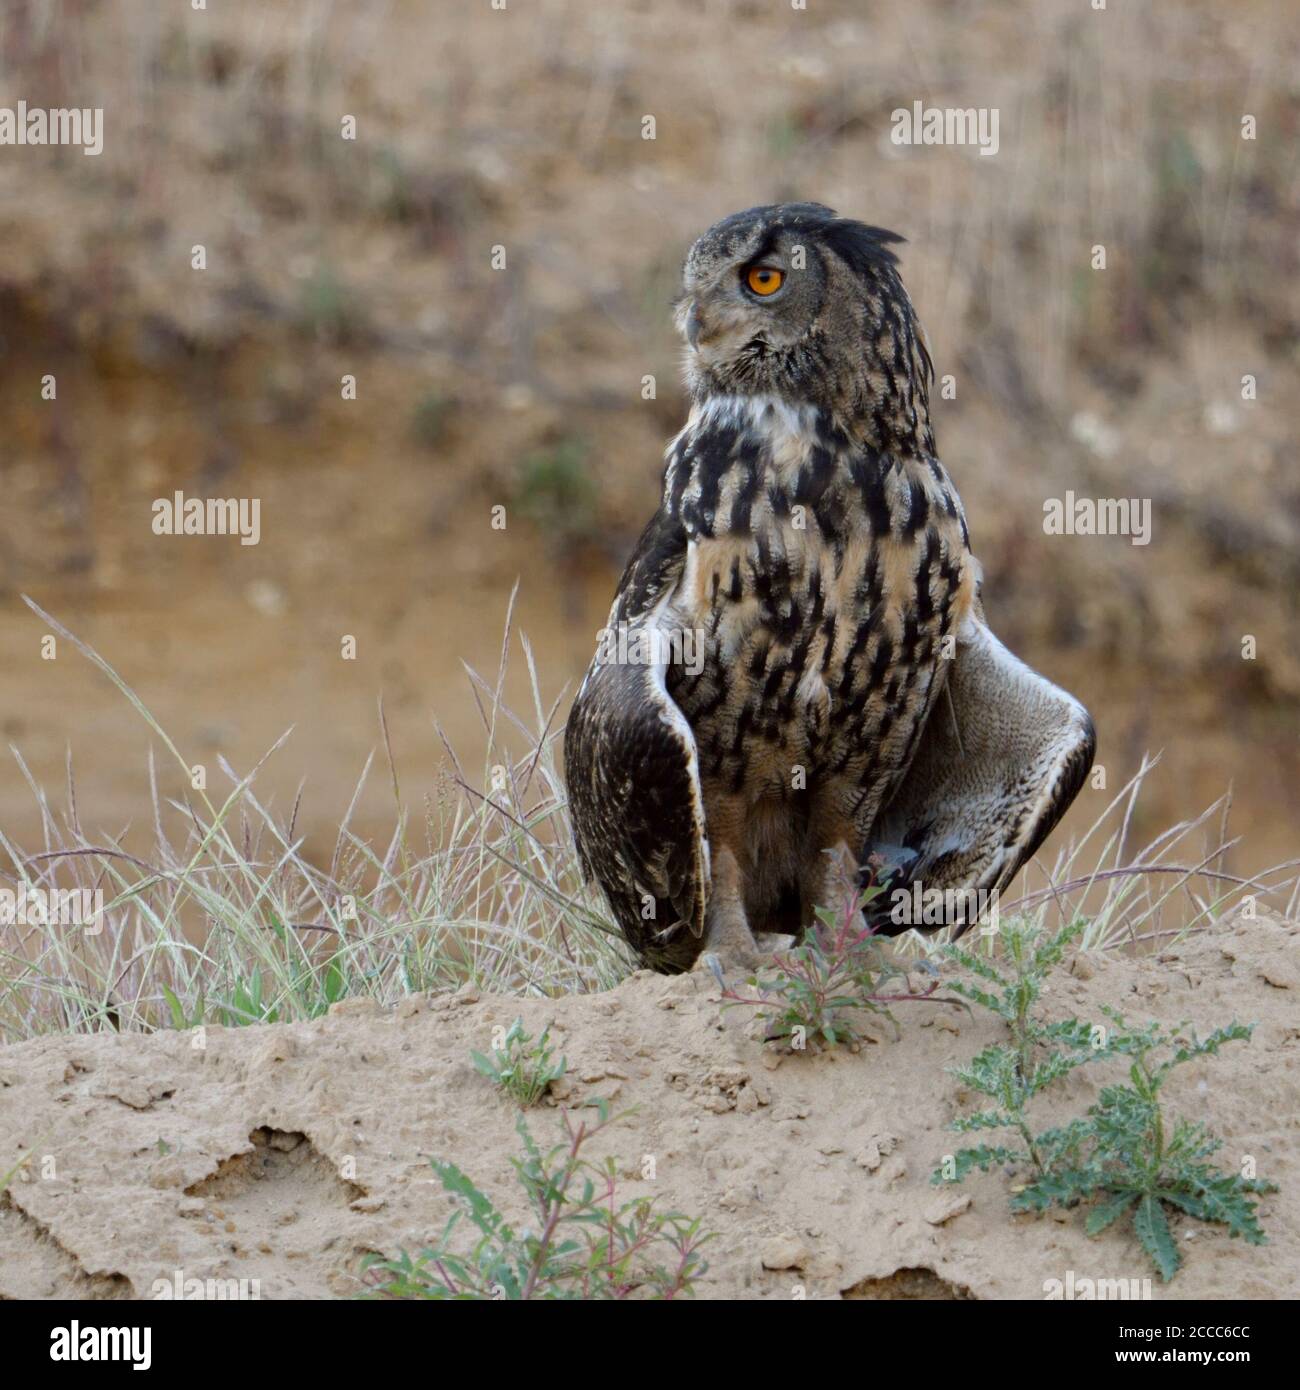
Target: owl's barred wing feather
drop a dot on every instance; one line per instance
(1003, 755)
(632, 769)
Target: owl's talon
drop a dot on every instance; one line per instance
(737, 964)
(775, 943)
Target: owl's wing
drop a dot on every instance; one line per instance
(632, 768)
(1003, 754)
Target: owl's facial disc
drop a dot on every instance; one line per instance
(765, 298)
(794, 302)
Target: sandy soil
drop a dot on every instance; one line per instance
(282, 1154)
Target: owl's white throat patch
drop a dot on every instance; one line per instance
(766, 413)
(788, 429)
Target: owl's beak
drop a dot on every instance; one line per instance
(694, 324)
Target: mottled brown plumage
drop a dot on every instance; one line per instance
(803, 598)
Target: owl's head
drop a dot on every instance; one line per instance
(796, 302)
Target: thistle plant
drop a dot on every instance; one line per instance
(1127, 1152)
(1124, 1153)
(521, 1067)
(582, 1240)
(1012, 1074)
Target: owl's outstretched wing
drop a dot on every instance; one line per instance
(1003, 755)
(633, 771)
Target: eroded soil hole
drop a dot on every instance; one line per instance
(279, 1159)
(916, 1283)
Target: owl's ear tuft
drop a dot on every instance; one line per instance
(804, 212)
(859, 246)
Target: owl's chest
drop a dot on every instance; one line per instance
(817, 632)
(783, 604)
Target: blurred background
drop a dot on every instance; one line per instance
(522, 387)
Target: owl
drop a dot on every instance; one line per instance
(796, 679)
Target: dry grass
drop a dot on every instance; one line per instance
(225, 920)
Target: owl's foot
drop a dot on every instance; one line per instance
(729, 944)
(735, 963)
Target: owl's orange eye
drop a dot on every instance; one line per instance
(763, 279)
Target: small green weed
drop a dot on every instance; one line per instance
(582, 1242)
(429, 419)
(554, 490)
(1011, 1075)
(519, 1066)
(818, 988)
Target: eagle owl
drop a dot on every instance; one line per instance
(796, 670)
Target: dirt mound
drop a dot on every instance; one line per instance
(284, 1154)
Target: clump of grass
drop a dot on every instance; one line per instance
(219, 916)
(216, 914)
(582, 1242)
(1124, 1154)
(1135, 899)
(816, 991)
(520, 1066)
(328, 310)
